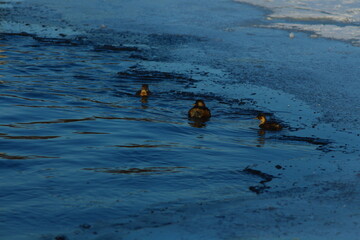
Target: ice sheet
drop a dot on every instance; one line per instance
(346, 12)
(347, 33)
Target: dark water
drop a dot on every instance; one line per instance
(78, 147)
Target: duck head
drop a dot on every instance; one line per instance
(261, 117)
(199, 103)
(144, 90)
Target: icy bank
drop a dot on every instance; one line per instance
(336, 10)
(346, 12)
(342, 33)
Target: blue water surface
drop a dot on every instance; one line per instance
(78, 147)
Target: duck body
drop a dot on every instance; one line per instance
(268, 125)
(199, 111)
(144, 91)
(272, 126)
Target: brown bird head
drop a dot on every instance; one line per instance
(144, 90)
(261, 117)
(145, 87)
(199, 103)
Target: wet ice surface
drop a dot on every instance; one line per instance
(97, 162)
(337, 10)
(335, 19)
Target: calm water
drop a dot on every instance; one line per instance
(77, 147)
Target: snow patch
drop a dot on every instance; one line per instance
(345, 11)
(347, 33)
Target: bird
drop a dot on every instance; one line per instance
(268, 125)
(199, 111)
(144, 91)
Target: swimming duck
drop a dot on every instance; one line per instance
(266, 125)
(144, 92)
(199, 111)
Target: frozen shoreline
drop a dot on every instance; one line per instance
(303, 11)
(336, 10)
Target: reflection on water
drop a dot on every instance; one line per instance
(90, 133)
(66, 109)
(149, 170)
(142, 146)
(16, 157)
(2, 62)
(197, 123)
(12, 157)
(261, 138)
(29, 137)
(144, 100)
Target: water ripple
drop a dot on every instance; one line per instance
(70, 112)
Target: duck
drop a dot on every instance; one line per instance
(199, 111)
(144, 91)
(268, 125)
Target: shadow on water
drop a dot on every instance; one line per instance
(72, 115)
